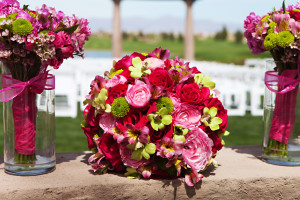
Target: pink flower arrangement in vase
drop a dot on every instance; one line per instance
(279, 33)
(152, 116)
(30, 42)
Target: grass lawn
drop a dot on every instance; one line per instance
(208, 49)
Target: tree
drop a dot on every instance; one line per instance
(238, 35)
(222, 35)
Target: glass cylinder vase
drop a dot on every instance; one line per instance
(28, 118)
(281, 141)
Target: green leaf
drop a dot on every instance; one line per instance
(69, 30)
(145, 154)
(25, 7)
(150, 148)
(137, 155)
(213, 111)
(167, 119)
(283, 7)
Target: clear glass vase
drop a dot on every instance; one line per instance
(281, 141)
(28, 119)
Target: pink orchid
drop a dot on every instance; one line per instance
(115, 80)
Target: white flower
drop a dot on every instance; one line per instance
(5, 33)
(14, 37)
(31, 38)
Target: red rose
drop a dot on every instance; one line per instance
(222, 113)
(191, 93)
(110, 149)
(217, 142)
(295, 15)
(91, 127)
(135, 117)
(156, 136)
(115, 92)
(67, 51)
(160, 77)
(126, 61)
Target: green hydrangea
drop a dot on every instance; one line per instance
(120, 107)
(285, 38)
(270, 41)
(22, 27)
(165, 102)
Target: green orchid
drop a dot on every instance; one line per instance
(141, 150)
(132, 173)
(138, 69)
(209, 118)
(99, 102)
(179, 133)
(204, 81)
(160, 119)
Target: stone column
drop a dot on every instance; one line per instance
(117, 34)
(189, 49)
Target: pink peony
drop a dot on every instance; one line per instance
(139, 94)
(197, 149)
(115, 80)
(186, 116)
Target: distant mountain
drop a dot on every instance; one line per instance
(165, 24)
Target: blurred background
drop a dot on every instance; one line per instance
(218, 49)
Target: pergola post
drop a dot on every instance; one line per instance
(117, 34)
(189, 33)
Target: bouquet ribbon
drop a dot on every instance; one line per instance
(24, 107)
(13, 87)
(285, 103)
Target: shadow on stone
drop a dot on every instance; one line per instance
(66, 157)
(254, 151)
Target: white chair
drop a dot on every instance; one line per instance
(65, 92)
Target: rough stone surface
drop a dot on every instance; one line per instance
(240, 175)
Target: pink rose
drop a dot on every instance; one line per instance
(61, 39)
(186, 116)
(138, 95)
(115, 80)
(154, 63)
(197, 149)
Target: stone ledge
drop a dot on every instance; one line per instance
(241, 175)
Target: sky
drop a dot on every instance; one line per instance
(227, 11)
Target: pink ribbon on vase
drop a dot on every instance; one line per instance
(13, 87)
(285, 103)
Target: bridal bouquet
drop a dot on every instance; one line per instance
(279, 33)
(154, 117)
(30, 41)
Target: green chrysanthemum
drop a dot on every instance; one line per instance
(270, 41)
(22, 27)
(120, 107)
(272, 26)
(165, 102)
(285, 38)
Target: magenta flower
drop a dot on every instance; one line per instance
(134, 133)
(197, 149)
(115, 80)
(168, 148)
(128, 160)
(107, 122)
(154, 63)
